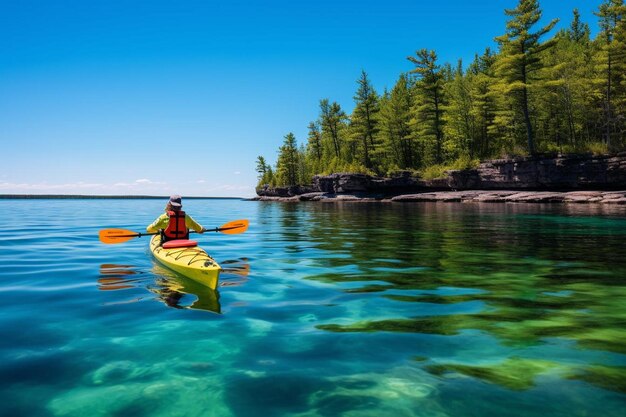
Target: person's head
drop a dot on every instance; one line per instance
(175, 203)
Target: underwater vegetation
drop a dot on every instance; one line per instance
(524, 282)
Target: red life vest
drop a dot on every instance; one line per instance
(177, 229)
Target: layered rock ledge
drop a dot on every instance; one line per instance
(539, 179)
(612, 197)
(476, 196)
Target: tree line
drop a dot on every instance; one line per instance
(539, 92)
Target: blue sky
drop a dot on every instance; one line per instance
(161, 97)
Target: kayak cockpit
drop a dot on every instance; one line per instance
(180, 243)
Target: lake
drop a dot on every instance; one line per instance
(323, 309)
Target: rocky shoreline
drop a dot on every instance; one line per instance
(576, 178)
(469, 196)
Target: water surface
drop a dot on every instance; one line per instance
(323, 310)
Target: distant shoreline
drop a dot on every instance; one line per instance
(103, 197)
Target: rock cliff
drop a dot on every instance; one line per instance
(540, 174)
(567, 172)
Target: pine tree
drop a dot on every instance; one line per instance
(520, 52)
(314, 152)
(612, 14)
(484, 108)
(570, 90)
(460, 125)
(364, 119)
(578, 32)
(332, 118)
(287, 166)
(397, 146)
(315, 141)
(266, 174)
(305, 169)
(620, 68)
(428, 102)
(261, 167)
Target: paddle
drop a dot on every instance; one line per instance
(112, 236)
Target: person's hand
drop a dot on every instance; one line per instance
(202, 230)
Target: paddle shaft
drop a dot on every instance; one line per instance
(217, 229)
(123, 235)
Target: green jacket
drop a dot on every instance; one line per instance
(163, 220)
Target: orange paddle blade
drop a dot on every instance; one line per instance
(111, 236)
(234, 227)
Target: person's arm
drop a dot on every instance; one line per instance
(160, 223)
(192, 224)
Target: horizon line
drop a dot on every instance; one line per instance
(99, 196)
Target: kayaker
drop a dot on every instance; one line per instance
(174, 223)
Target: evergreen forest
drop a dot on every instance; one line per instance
(542, 91)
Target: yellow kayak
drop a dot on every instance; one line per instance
(192, 262)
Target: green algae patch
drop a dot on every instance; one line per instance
(433, 299)
(368, 288)
(609, 339)
(608, 377)
(428, 326)
(515, 373)
(589, 316)
(519, 374)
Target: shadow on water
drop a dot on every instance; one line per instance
(522, 274)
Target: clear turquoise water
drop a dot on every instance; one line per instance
(324, 310)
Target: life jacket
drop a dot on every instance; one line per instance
(176, 229)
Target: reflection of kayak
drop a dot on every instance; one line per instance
(192, 262)
(170, 287)
(173, 289)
